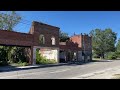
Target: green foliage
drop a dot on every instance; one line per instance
(42, 60)
(63, 36)
(18, 55)
(111, 55)
(22, 63)
(118, 48)
(9, 20)
(94, 55)
(118, 54)
(18, 64)
(3, 56)
(103, 41)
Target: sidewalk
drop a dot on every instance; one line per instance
(14, 68)
(111, 73)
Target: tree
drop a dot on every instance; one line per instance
(8, 20)
(63, 36)
(18, 54)
(103, 41)
(118, 48)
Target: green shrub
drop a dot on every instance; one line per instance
(42, 60)
(3, 63)
(111, 55)
(22, 63)
(94, 55)
(9, 55)
(118, 54)
(18, 54)
(3, 57)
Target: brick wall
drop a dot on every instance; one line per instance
(69, 45)
(15, 38)
(32, 38)
(77, 39)
(48, 32)
(83, 41)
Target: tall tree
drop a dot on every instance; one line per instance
(8, 20)
(118, 46)
(63, 36)
(103, 41)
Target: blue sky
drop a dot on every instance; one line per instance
(72, 21)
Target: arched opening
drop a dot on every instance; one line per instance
(42, 39)
(53, 40)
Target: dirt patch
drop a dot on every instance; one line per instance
(116, 76)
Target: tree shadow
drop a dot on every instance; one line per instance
(102, 60)
(10, 68)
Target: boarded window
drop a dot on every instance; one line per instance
(53, 40)
(42, 39)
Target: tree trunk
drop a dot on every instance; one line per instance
(103, 56)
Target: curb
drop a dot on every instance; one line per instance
(8, 68)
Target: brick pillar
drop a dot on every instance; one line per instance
(31, 55)
(58, 54)
(34, 56)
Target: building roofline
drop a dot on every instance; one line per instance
(15, 32)
(44, 24)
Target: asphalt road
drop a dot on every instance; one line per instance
(60, 72)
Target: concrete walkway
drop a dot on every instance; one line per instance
(15, 68)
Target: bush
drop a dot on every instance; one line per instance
(42, 60)
(111, 55)
(3, 57)
(118, 54)
(18, 54)
(3, 63)
(22, 63)
(94, 55)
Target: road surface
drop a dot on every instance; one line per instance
(60, 72)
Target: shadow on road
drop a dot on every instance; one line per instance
(14, 68)
(102, 60)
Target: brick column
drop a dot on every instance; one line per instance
(34, 56)
(58, 54)
(31, 55)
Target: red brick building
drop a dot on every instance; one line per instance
(78, 48)
(46, 38)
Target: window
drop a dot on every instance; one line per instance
(42, 39)
(53, 40)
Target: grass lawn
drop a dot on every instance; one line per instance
(96, 59)
(19, 64)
